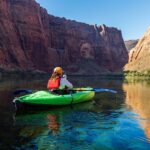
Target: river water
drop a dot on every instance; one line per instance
(110, 121)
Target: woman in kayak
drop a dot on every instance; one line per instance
(58, 82)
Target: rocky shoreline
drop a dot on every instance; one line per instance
(24, 74)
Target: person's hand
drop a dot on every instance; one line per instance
(65, 76)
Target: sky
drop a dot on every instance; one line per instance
(132, 17)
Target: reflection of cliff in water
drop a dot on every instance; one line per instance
(13, 84)
(95, 81)
(138, 97)
(7, 87)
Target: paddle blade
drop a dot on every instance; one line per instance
(104, 90)
(22, 91)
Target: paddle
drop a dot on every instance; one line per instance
(97, 90)
(23, 91)
(104, 90)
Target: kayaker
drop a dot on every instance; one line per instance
(58, 82)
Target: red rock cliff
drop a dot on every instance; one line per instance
(30, 38)
(130, 44)
(139, 57)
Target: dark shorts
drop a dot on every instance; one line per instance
(63, 92)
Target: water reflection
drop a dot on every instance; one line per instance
(77, 127)
(104, 123)
(138, 98)
(53, 124)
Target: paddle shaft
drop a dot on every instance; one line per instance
(29, 91)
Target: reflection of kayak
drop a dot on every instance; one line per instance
(48, 98)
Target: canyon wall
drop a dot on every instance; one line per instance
(130, 44)
(30, 38)
(139, 57)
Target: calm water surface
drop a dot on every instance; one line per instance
(110, 121)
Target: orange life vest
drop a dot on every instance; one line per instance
(53, 84)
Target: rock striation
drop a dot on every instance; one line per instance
(30, 38)
(139, 57)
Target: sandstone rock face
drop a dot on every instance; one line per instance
(139, 57)
(131, 44)
(30, 38)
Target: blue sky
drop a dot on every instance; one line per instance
(131, 16)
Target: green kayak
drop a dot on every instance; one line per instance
(48, 98)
